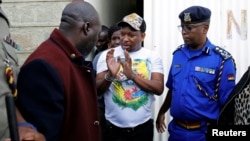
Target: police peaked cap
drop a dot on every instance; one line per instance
(195, 14)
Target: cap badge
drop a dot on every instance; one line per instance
(187, 17)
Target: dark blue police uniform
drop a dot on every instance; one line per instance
(201, 82)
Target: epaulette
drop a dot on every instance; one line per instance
(178, 48)
(12, 43)
(222, 52)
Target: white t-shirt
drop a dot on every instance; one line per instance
(126, 105)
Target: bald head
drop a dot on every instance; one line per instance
(80, 24)
(75, 13)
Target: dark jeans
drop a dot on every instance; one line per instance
(103, 122)
(143, 132)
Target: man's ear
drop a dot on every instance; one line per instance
(206, 27)
(143, 35)
(85, 27)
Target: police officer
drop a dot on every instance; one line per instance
(9, 69)
(200, 80)
(8, 58)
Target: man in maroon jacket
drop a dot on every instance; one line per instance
(57, 92)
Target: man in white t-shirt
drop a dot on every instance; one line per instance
(129, 76)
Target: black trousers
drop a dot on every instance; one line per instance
(143, 132)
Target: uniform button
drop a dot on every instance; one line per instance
(73, 55)
(88, 70)
(96, 123)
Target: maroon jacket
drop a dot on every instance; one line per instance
(57, 92)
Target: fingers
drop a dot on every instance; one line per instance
(39, 137)
(161, 127)
(160, 123)
(126, 54)
(36, 136)
(119, 59)
(127, 63)
(28, 134)
(127, 57)
(110, 54)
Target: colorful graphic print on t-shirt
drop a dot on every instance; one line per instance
(126, 93)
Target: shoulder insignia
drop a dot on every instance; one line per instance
(179, 48)
(12, 43)
(222, 52)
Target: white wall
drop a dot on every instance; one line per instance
(162, 34)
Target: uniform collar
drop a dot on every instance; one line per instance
(205, 50)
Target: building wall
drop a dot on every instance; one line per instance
(33, 20)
